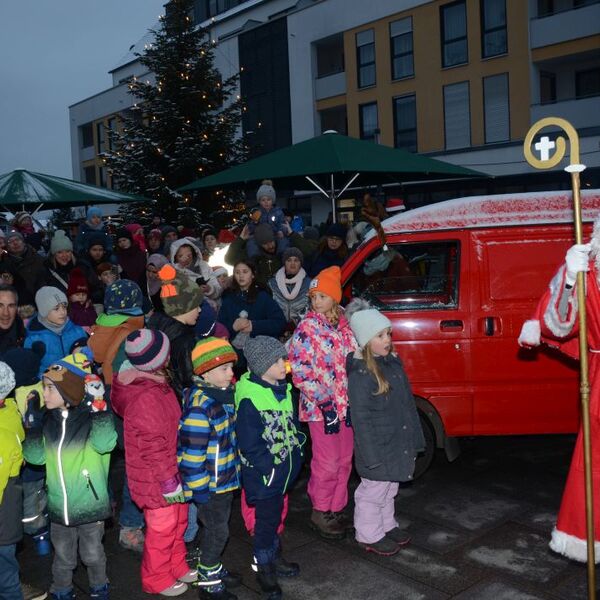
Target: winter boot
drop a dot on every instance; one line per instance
(283, 568)
(32, 593)
(42, 544)
(266, 576)
(345, 522)
(326, 525)
(100, 592)
(384, 547)
(63, 595)
(211, 585)
(397, 535)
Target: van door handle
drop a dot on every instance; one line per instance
(488, 326)
(451, 325)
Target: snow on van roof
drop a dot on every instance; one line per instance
(502, 210)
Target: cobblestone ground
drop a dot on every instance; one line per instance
(480, 529)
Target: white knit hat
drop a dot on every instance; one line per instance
(365, 321)
(7, 380)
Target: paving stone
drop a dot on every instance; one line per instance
(574, 588)
(434, 537)
(496, 590)
(539, 518)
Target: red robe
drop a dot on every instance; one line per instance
(569, 536)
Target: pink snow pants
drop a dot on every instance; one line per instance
(330, 467)
(163, 560)
(249, 514)
(374, 509)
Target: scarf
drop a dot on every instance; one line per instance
(283, 283)
(57, 329)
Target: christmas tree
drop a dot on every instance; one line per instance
(183, 124)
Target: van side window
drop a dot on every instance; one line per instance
(410, 276)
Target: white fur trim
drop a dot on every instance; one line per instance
(558, 326)
(572, 547)
(531, 334)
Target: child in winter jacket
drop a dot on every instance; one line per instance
(270, 448)
(81, 309)
(142, 396)
(208, 459)
(11, 495)
(387, 430)
(73, 439)
(317, 353)
(52, 327)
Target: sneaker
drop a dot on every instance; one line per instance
(64, 595)
(344, 520)
(326, 525)
(176, 589)
(397, 535)
(32, 593)
(100, 592)
(132, 538)
(384, 547)
(190, 577)
(212, 583)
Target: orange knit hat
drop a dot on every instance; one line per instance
(328, 282)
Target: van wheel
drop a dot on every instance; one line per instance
(425, 459)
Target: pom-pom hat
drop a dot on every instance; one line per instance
(60, 242)
(266, 189)
(147, 350)
(178, 293)
(7, 380)
(328, 282)
(211, 352)
(365, 321)
(77, 283)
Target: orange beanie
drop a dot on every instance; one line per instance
(328, 282)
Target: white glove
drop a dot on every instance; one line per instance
(577, 260)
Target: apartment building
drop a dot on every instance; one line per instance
(458, 80)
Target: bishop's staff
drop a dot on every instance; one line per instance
(547, 161)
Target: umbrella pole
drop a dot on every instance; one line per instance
(332, 200)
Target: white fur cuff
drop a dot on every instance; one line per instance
(531, 334)
(572, 547)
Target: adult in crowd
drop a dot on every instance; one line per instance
(23, 223)
(130, 258)
(137, 235)
(332, 250)
(290, 287)
(267, 262)
(248, 310)
(10, 276)
(156, 222)
(97, 251)
(60, 261)
(24, 259)
(12, 330)
(52, 327)
(169, 235)
(93, 224)
(181, 299)
(154, 241)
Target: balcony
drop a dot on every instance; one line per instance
(565, 26)
(580, 113)
(331, 85)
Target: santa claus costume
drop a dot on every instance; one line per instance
(557, 325)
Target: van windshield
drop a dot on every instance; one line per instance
(410, 276)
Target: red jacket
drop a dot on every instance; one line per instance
(151, 414)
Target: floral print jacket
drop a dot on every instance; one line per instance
(317, 354)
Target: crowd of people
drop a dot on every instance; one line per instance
(207, 384)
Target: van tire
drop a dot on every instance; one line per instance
(425, 459)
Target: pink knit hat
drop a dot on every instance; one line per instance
(147, 350)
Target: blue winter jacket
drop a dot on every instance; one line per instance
(57, 346)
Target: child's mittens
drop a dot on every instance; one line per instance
(330, 417)
(172, 491)
(34, 415)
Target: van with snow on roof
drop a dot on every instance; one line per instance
(458, 279)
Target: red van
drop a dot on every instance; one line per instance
(457, 280)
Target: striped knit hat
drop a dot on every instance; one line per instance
(147, 350)
(210, 353)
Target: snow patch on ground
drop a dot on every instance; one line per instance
(472, 514)
(423, 564)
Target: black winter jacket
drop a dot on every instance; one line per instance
(387, 430)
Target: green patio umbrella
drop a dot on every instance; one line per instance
(27, 188)
(330, 154)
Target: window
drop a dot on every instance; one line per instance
(111, 125)
(401, 46)
(493, 28)
(587, 83)
(330, 56)
(102, 174)
(204, 9)
(410, 276)
(405, 123)
(547, 87)
(87, 135)
(453, 18)
(365, 58)
(334, 118)
(457, 119)
(89, 175)
(369, 128)
(100, 137)
(496, 108)
(545, 8)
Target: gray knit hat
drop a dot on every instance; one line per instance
(291, 251)
(263, 234)
(266, 189)
(7, 380)
(47, 298)
(60, 241)
(262, 352)
(365, 321)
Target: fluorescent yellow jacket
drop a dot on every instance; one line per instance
(11, 436)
